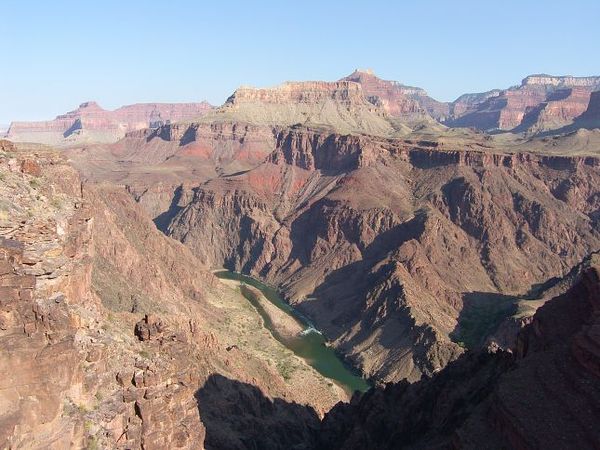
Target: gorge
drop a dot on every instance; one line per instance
(158, 280)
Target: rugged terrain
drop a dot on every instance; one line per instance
(91, 123)
(398, 99)
(114, 336)
(425, 253)
(540, 103)
(387, 244)
(404, 246)
(545, 395)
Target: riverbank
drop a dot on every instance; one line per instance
(286, 326)
(295, 331)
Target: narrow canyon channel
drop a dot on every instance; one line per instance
(309, 344)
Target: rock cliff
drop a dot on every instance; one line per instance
(91, 123)
(546, 395)
(383, 242)
(110, 330)
(540, 103)
(340, 105)
(397, 99)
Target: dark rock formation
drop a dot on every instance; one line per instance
(238, 416)
(150, 327)
(380, 241)
(546, 396)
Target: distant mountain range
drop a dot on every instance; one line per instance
(90, 122)
(360, 102)
(448, 251)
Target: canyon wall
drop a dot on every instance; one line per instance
(115, 336)
(381, 242)
(397, 99)
(544, 396)
(540, 103)
(96, 124)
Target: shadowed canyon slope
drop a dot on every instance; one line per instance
(454, 268)
(546, 395)
(109, 328)
(381, 242)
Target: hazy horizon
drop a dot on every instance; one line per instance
(70, 52)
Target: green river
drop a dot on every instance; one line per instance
(310, 345)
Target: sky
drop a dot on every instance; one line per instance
(57, 54)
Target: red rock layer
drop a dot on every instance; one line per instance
(91, 116)
(539, 103)
(397, 99)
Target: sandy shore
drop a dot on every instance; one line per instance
(283, 324)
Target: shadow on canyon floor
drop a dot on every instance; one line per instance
(481, 314)
(344, 300)
(239, 416)
(424, 414)
(162, 221)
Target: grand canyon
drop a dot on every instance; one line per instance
(299, 225)
(316, 265)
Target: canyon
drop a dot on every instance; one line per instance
(109, 329)
(385, 244)
(448, 252)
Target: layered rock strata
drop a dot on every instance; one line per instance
(91, 122)
(110, 331)
(540, 103)
(383, 242)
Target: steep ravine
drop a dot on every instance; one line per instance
(115, 336)
(380, 241)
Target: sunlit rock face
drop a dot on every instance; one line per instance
(90, 122)
(540, 103)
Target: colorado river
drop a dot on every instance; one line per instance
(309, 344)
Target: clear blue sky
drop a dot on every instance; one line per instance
(56, 54)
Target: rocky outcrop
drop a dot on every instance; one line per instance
(150, 327)
(92, 123)
(540, 103)
(340, 105)
(109, 329)
(545, 396)
(397, 99)
(381, 241)
(45, 251)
